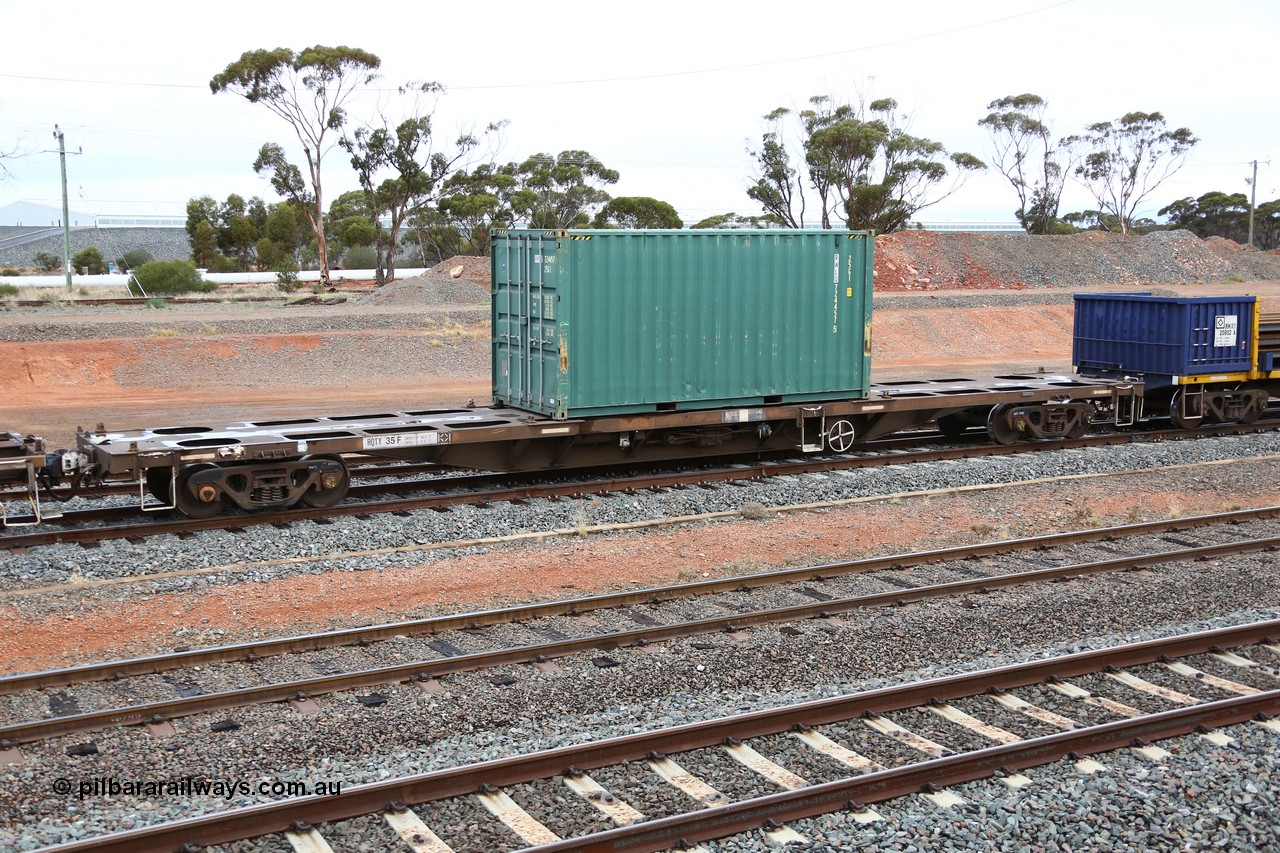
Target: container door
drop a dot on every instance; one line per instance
(1219, 335)
(526, 354)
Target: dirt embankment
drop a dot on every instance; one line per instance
(926, 261)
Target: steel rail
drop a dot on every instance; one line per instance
(877, 787)
(572, 606)
(424, 670)
(279, 816)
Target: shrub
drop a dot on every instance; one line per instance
(133, 259)
(222, 263)
(156, 303)
(8, 290)
(90, 260)
(287, 273)
(9, 271)
(47, 261)
(171, 277)
(360, 258)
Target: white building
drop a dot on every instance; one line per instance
(115, 214)
(966, 226)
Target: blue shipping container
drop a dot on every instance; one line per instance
(1135, 333)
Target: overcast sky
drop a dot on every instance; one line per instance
(670, 94)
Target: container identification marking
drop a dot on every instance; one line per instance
(404, 439)
(1225, 329)
(835, 303)
(741, 416)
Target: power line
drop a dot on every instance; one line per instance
(592, 80)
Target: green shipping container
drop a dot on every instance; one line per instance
(606, 322)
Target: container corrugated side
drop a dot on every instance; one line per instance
(1138, 333)
(597, 322)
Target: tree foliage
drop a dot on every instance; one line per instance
(90, 260)
(637, 212)
(309, 90)
(171, 277)
(1124, 160)
(472, 201)
(858, 162)
(562, 191)
(47, 261)
(737, 220)
(1026, 155)
(1218, 214)
(415, 169)
(227, 236)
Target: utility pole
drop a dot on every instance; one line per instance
(1253, 199)
(66, 216)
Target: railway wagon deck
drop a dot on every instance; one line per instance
(202, 469)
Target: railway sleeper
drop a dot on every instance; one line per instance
(205, 489)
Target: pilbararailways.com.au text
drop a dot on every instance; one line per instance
(192, 786)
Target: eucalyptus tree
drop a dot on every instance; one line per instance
(415, 167)
(637, 212)
(309, 90)
(472, 202)
(1027, 156)
(859, 163)
(563, 191)
(1126, 159)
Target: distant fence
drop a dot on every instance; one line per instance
(218, 277)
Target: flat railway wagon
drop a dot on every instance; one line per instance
(610, 346)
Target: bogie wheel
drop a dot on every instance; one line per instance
(840, 436)
(1180, 418)
(1080, 429)
(331, 487)
(999, 427)
(160, 484)
(191, 505)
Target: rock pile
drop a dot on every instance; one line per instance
(927, 260)
(460, 280)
